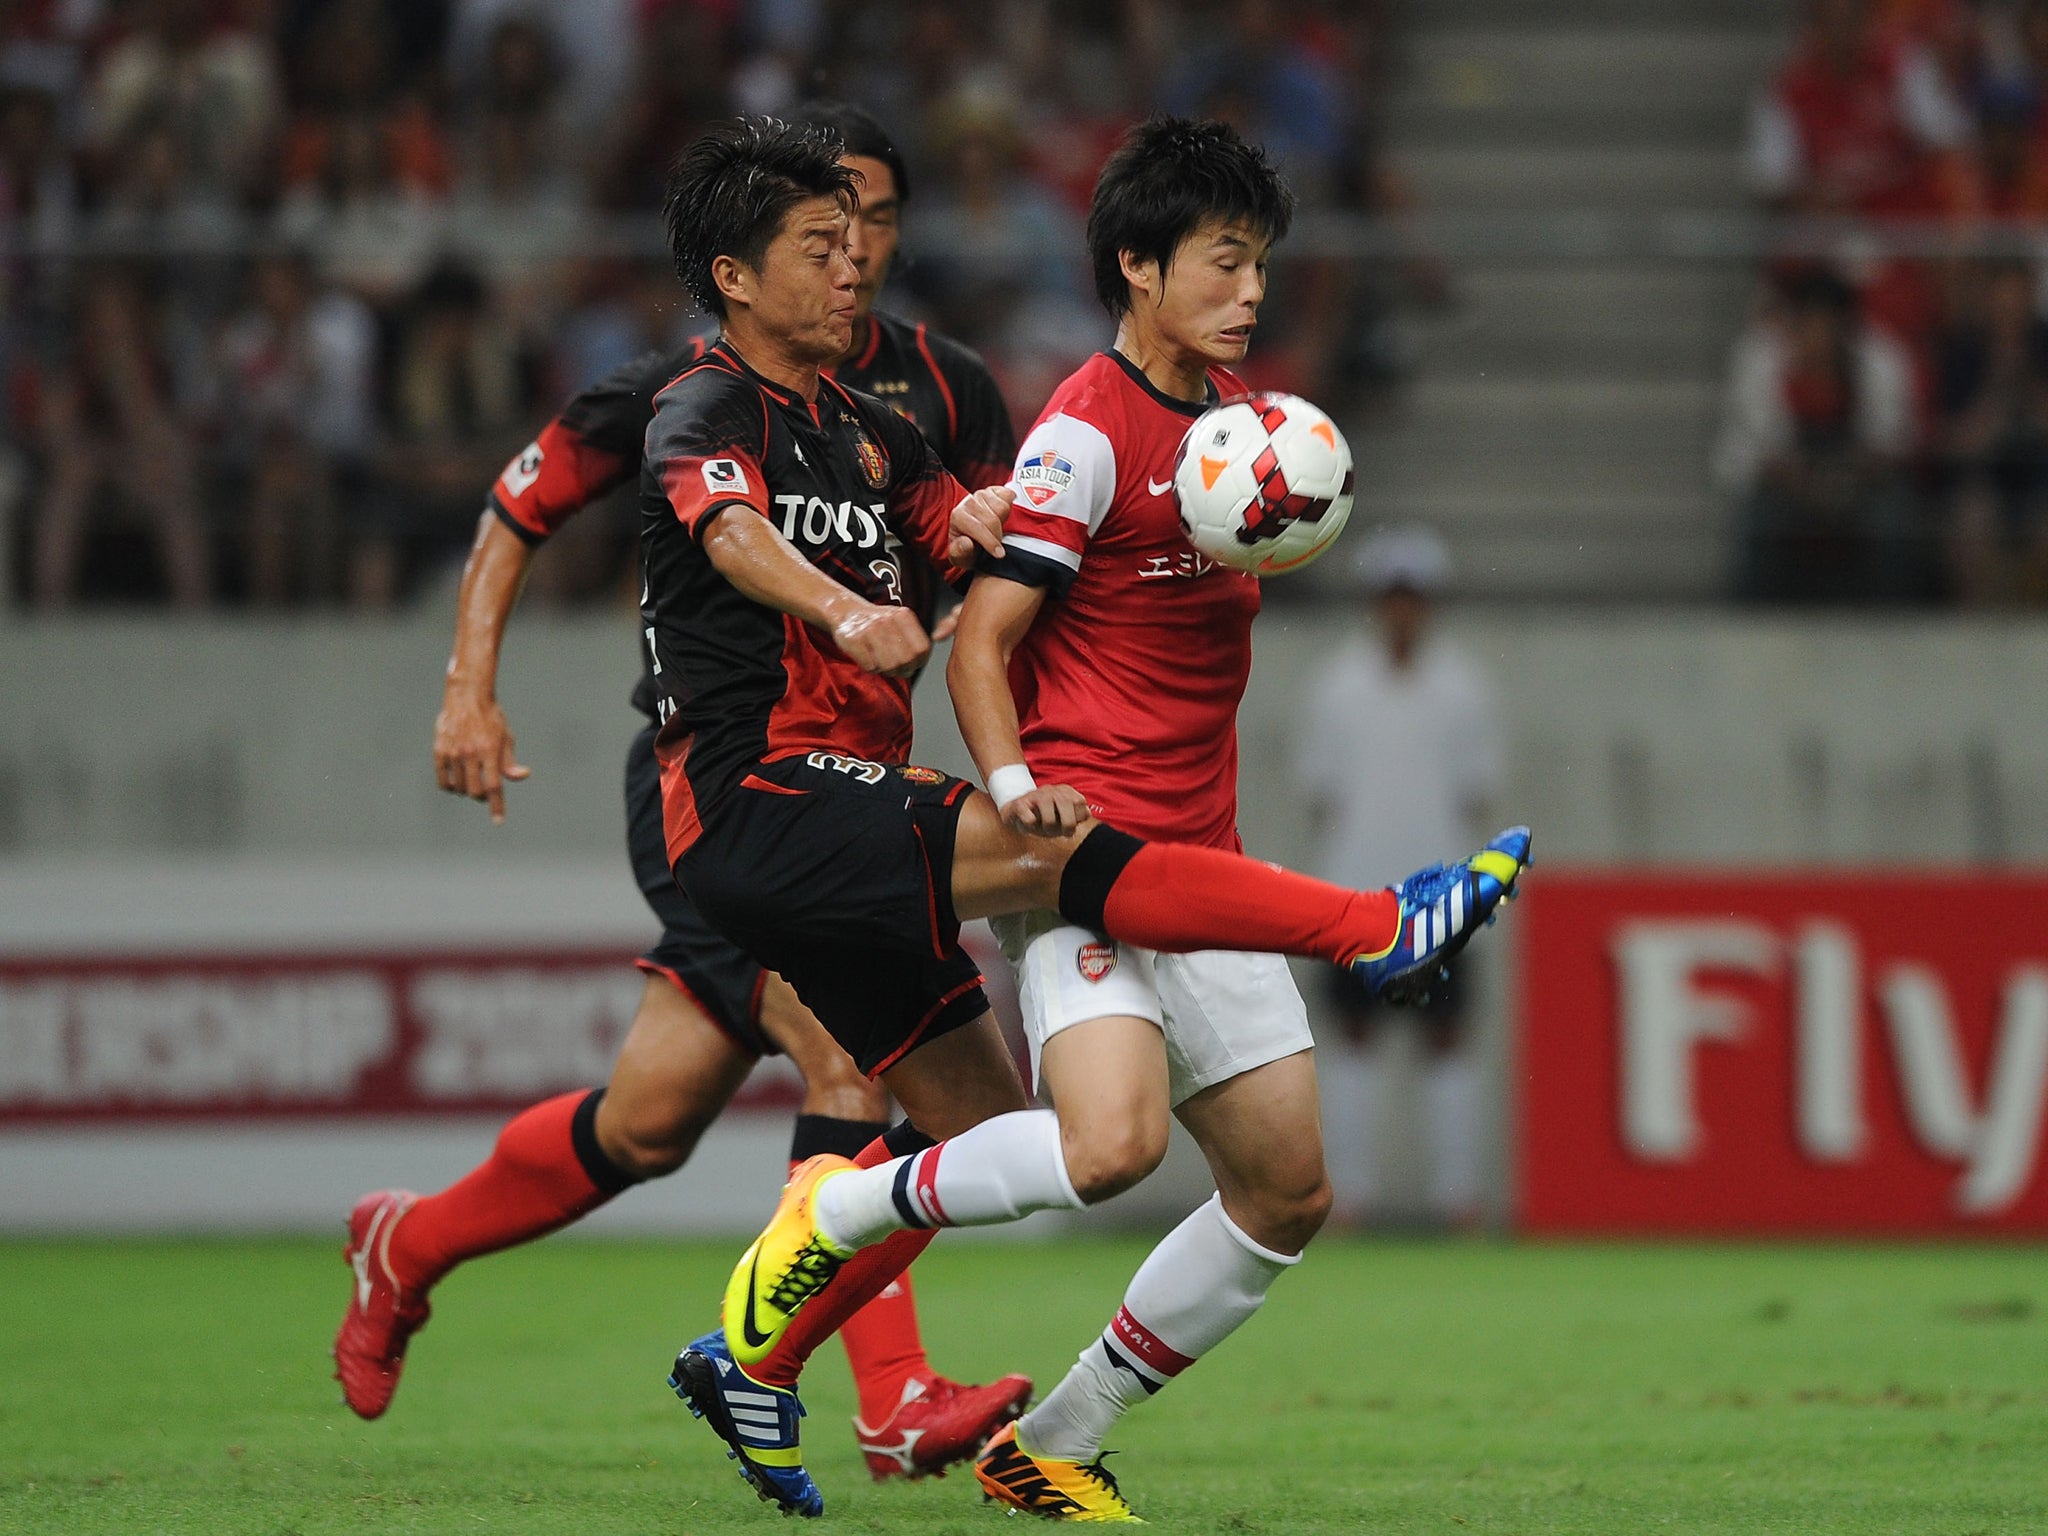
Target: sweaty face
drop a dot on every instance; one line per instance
(805, 292)
(871, 237)
(1207, 303)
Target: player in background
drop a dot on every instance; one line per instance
(770, 498)
(1398, 749)
(708, 1011)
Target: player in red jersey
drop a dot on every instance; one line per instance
(772, 502)
(708, 1011)
(1103, 653)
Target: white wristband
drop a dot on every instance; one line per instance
(1006, 784)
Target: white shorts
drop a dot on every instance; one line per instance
(1223, 1011)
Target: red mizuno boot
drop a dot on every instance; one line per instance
(938, 1423)
(382, 1315)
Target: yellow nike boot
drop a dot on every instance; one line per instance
(789, 1263)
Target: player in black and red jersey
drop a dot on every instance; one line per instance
(774, 500)
(708, 1011)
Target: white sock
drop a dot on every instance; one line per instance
(1193, 1291)
(1450, 1101)
(1002, 1169)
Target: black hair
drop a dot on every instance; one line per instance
(1166, 178)
(729, 192)
(862, 135)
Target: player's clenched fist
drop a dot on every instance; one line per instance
(473, 752)
(1055, 810)
(881, 638)
(978, 524)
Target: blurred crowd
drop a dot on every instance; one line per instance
(283, 283)
(1885, 426)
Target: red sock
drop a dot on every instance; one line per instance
(532, 1183)
(1177, 897)
(859, 1285)
(860, 1280)
(882, 1341)
(885, 1350)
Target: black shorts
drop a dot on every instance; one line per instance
(716, 974)
(837, 874)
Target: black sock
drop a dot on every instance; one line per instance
(1091, 870)
(906, 1140)
(828, 1133)
(607, 1175)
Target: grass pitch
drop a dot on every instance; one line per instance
(1454, 1388)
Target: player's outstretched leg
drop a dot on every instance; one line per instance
(757, 1423)
(1180, 898)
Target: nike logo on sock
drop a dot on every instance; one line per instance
(1158, 487)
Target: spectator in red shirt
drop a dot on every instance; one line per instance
(1858, 120)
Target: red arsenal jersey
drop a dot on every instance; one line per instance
(1128, 683)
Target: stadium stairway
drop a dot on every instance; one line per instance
(1558, 424)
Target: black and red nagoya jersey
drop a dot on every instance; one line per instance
(942, 388)
(845, 479)
(594, 445)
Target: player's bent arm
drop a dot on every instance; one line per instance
(473, 748)
(995, 617)
(747, 551)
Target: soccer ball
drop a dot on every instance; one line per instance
(1263, 482)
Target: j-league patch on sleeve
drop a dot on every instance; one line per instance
(724, 477)
(523, 471)
(1043, 477)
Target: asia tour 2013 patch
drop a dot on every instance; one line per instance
(874, 464)
(1095, 961)
(1042, 478)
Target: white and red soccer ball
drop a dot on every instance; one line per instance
(1263, 483)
